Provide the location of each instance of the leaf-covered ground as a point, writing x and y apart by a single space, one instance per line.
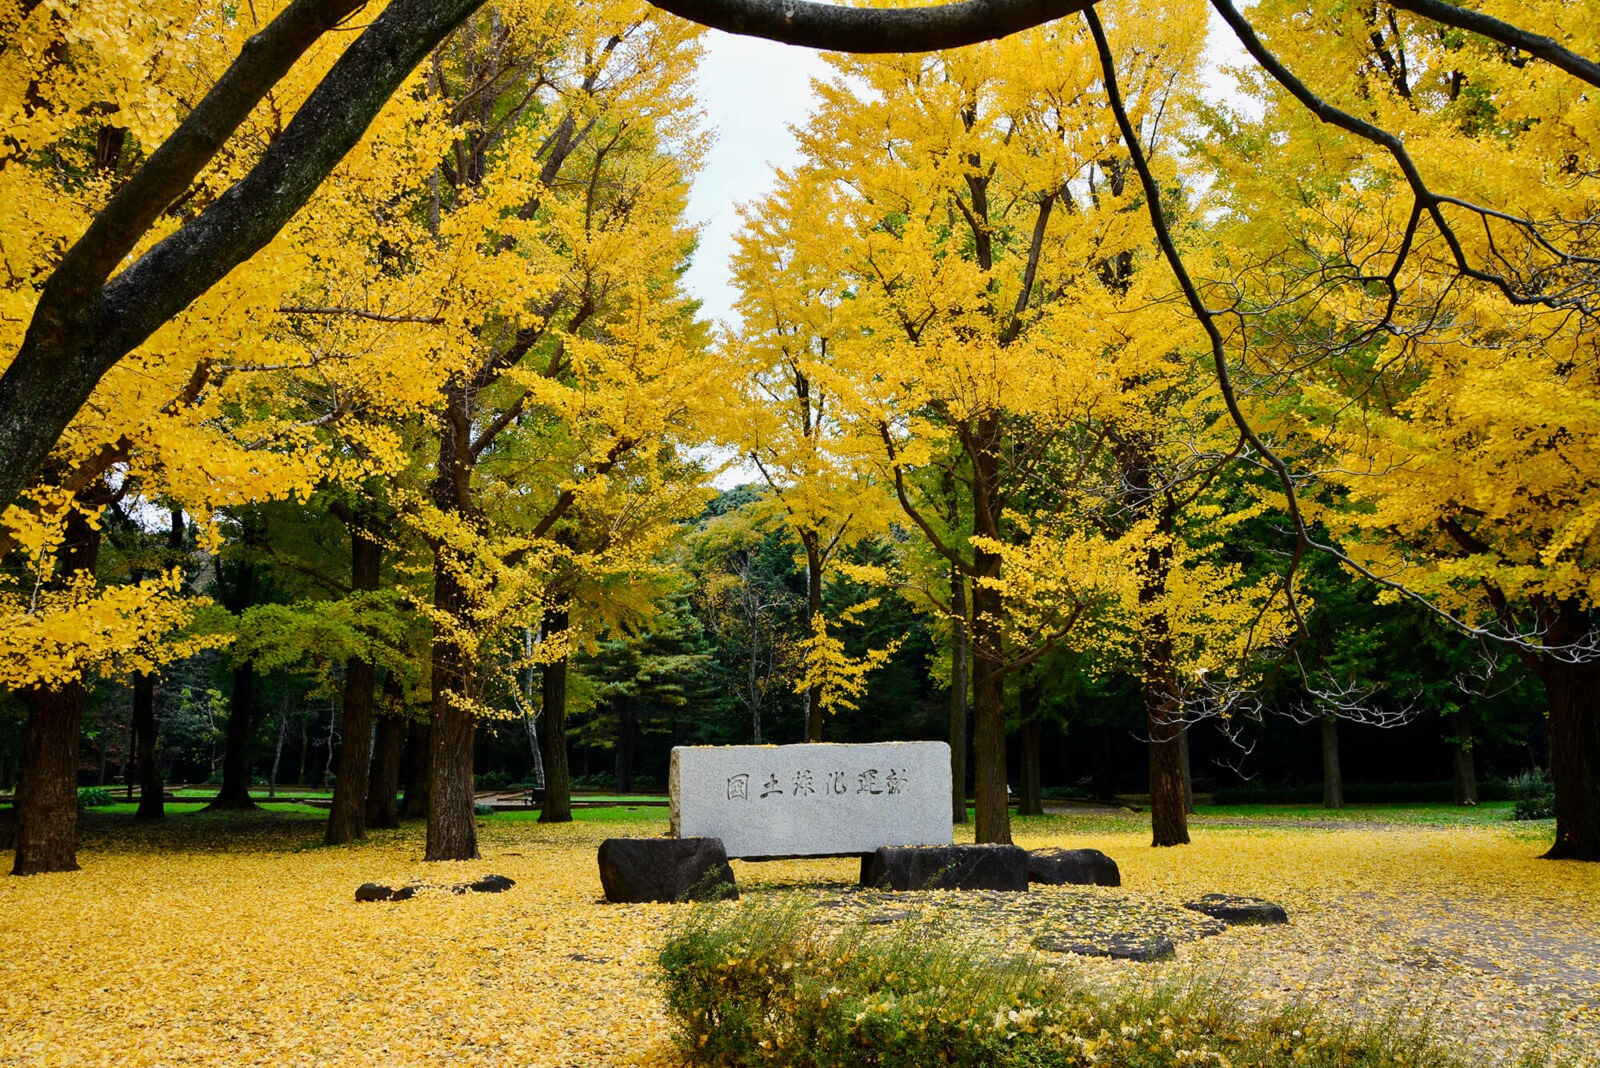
237 940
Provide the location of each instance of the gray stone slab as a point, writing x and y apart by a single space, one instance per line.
812 800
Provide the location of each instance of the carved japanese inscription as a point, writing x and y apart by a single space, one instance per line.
814 799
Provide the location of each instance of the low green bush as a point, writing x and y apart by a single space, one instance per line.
600 780
492 780
481 809
94 797
766 985
1356 793
1533 795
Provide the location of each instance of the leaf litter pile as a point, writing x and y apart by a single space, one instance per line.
231 941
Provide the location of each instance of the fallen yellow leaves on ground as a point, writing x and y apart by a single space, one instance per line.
237 943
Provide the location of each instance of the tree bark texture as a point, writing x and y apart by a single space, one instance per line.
45 808
383 783
1188 773
1148 498
452 826
960 684
1332 778
811 539
414 805
1463 773
347 816
1573 690
992 816
234 793
1031 803
45 832
557 805
152 791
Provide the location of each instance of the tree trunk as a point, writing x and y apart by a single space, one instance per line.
414 806
1148 498
1332 781
383 785
1463 774
993 817
152 791
810 538
557 806
960 683
627 728
1169 824
277 750
44 829
1188 773
234 794
1573 690
1031 803
347 817
452 826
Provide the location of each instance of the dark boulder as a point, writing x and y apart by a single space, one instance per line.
1238 910
952 867
374 892
665 869
1072 867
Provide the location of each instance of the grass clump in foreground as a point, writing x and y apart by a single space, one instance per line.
770 984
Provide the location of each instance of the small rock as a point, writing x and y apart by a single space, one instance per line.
374 892
405 893
1117 947
1231 908
492 884
1072 867
952 867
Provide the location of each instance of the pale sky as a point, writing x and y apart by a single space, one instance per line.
752 91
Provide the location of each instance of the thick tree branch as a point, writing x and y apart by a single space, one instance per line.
1545 48
869 30
79 330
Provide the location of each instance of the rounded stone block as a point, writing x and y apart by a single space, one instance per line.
952 867
1072 867
665 869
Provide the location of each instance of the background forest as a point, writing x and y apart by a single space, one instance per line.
1132 441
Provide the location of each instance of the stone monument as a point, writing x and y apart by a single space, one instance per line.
814 799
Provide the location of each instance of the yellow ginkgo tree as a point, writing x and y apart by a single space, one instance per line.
1421 315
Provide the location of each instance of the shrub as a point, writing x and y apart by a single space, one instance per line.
1533 795
492 780
481 809
765 985
600 780
1356 793
94 797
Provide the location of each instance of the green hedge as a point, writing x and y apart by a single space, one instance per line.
765 985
